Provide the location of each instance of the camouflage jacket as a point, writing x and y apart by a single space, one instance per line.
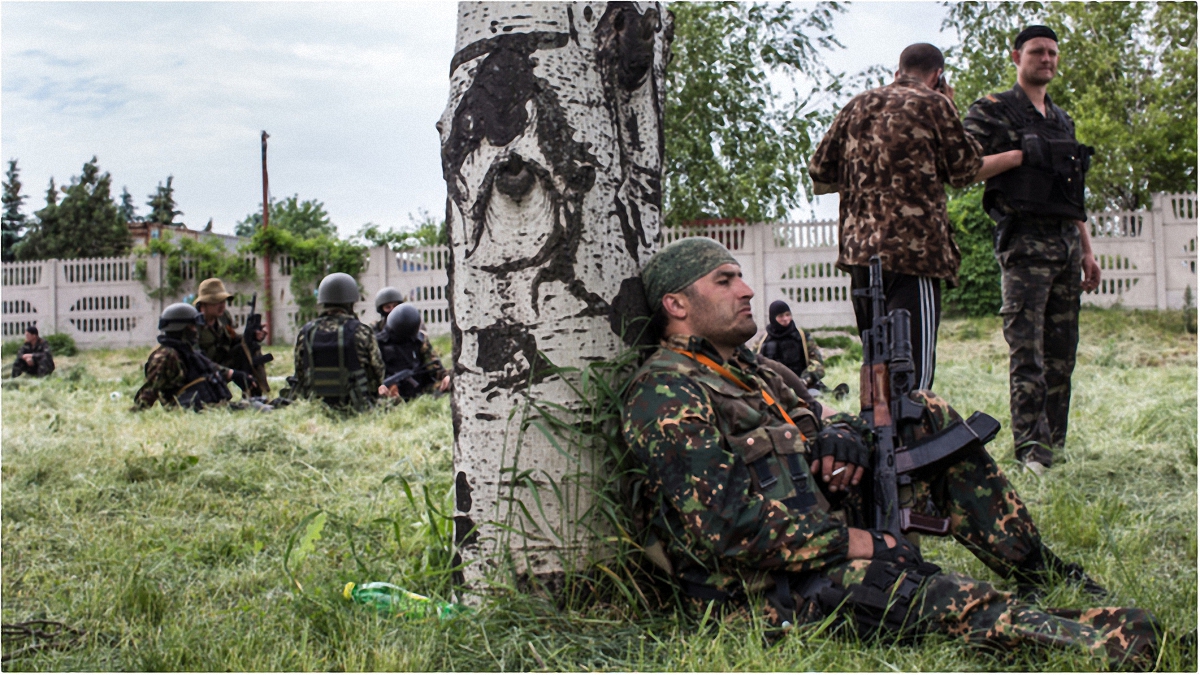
167 373
708 445
43 360
998 128
889 154
364 343
219 342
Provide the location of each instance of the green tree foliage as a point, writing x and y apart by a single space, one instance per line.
735 146
162 204
209 254
127 208
305 219
978 291
13 221
311 257
86 223
423 231
1127 75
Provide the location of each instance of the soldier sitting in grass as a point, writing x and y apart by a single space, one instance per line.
220 341
33 358
178 374
739 504
337 359
409 358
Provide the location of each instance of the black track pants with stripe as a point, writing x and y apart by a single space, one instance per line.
922 297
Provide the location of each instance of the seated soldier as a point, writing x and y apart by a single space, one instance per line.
794 348
733 505
411 367
33 358
337 359
178 374
220 342
385 301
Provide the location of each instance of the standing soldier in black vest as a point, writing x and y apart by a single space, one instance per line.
337 359
1042 243
178 374
34 357
385 301
409 358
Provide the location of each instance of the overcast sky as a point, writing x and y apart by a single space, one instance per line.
348 91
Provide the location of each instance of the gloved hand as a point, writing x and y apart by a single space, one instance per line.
903 553
843 443
242 379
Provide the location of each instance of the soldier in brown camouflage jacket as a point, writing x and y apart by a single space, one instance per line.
889 155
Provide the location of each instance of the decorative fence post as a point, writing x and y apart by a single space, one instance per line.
552 154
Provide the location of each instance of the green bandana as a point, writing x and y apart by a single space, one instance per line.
679 264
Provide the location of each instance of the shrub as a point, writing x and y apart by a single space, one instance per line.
11 347
978 292
62 344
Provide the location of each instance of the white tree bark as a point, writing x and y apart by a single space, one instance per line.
552 154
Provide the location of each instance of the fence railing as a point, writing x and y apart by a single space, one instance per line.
1148 260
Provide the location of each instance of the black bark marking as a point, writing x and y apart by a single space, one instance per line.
462 492
626 43
486 417
465 533
497 345
571 25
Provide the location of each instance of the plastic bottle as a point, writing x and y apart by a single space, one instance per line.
397 601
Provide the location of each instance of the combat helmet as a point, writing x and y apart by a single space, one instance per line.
338 288
177 317
385 295
403 322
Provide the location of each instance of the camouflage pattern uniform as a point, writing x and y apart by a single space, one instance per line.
889 154
1041 265
43 360
364 343
164 374
725 525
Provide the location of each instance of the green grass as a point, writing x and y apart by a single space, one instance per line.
175 539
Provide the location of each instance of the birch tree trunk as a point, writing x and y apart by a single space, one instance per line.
552 154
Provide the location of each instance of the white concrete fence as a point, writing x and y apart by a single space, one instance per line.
1148 258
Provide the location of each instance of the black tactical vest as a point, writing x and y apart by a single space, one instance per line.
335 374
1050 181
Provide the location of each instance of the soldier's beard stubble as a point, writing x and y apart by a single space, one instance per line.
722 324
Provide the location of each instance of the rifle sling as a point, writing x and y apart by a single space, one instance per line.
980 428
725 373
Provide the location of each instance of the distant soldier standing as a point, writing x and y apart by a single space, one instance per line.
889 155
34 357
1042 243
218 339
385 301
178 374
406 349
337 359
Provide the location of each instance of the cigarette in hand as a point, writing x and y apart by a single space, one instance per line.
837 471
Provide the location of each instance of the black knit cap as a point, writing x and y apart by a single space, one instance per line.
1031 32
778 307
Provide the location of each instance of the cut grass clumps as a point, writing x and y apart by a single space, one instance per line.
171 538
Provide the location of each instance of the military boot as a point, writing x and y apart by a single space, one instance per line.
1036 457
1042 567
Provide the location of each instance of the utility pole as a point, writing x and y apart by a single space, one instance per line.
267 252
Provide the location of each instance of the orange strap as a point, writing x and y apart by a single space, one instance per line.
725 373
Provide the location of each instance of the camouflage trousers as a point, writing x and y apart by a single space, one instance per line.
1041 285
989 518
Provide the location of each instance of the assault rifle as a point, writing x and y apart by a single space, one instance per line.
251 355
885 381
400 378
